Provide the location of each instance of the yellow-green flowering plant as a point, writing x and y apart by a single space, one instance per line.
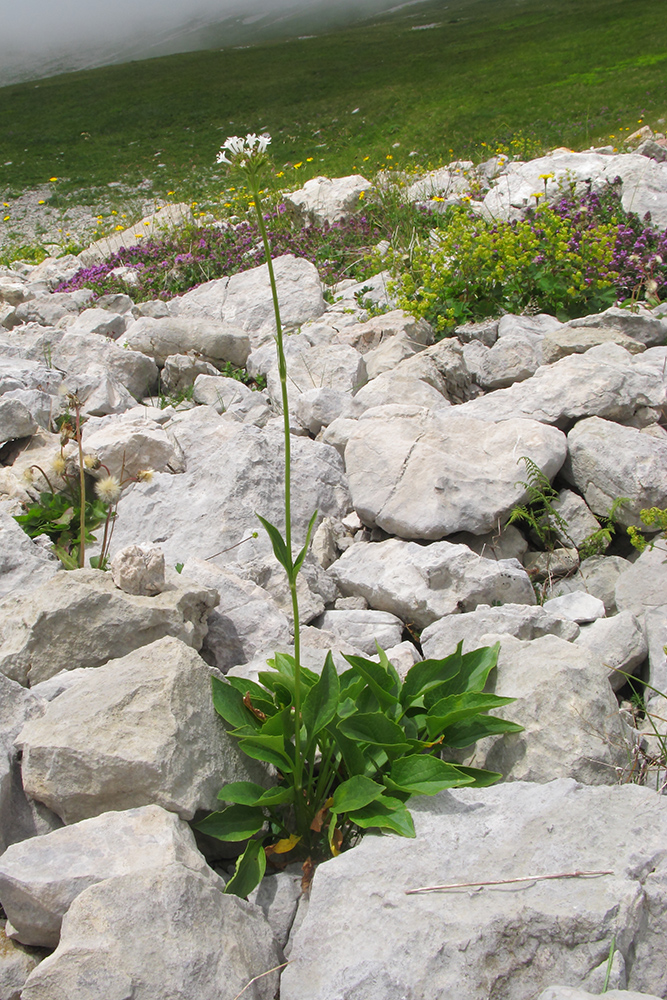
350 749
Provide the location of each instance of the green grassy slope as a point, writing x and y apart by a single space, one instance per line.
569 72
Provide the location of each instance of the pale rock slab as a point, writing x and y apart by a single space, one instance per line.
421 474
214 342
364 628
19 818
16 420
164 932
232 472
567 993
181 370
607 460
47 310
619 642
655 627
139 731
80 619
576 606
245 300
16 964
537 326
504 543
317 408
24 565
127 445
85 354
278 897
643 586
245 622
328 199
641 324
327 367
100 321
596 575
219 392
511 941
139 570
422 583
579 339
21 373
38 404
581 523
39 878
513 358
397 324
606 381
520 620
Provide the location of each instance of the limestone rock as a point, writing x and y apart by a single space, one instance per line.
597 575
520 620
577 607
232 472
139 570
23 564
328 199
214 342
140 730
619 642
81 619
422 583
364 628
421 474
163 932
607 460
167 217
81 354
16 964
515 939
181 370
16 420
130 444
643 586
100 321
40 877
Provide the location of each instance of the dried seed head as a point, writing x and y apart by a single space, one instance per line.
91 462
108 489
144 475
59 465
28 476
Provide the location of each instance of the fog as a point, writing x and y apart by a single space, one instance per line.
39 38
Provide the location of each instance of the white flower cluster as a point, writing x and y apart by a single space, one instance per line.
243 150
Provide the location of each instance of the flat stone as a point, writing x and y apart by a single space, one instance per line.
160 338
363 628
620 644
139 731
643 586
520 620
577 607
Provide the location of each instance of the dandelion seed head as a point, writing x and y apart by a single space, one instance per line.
108 489
59 465
144 475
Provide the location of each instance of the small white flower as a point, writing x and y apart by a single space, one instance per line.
263 142
242 152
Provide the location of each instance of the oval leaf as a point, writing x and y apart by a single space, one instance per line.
423 774
387 814
249 872
321 702
355 793
234 823
374 728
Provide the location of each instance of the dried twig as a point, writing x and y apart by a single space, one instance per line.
504 881
254 980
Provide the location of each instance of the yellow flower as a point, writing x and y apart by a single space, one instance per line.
366 158
6 219
118 227
52 179
41 202
170 192
114 212
299 164
361 196
309 159
139 236
228 204
280 173
147 223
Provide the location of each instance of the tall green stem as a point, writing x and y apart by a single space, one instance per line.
82 491
282 372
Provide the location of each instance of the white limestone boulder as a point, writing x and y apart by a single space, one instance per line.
422 583
423 474
40 877
162 932
128 444
215 342
328 199
643 585
607 460
363 628
16 420
234 472
85 354
140 730
23 563
364 937
520 620
81 619
619 642
166 218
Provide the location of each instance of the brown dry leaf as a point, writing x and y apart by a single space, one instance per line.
318 818
255 711
308 871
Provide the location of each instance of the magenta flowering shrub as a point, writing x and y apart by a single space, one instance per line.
176 263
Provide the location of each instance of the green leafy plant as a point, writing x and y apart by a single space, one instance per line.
598 541
349 751
652 517
539 512
77 502
367 743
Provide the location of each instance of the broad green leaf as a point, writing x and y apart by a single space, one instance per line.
427 674
346 708
383 685
424 774
298 562
389 667
351 684
462 734
249 871
355 793
279 724
481 778
248 687
354 759
228 702
387 813
248 793
278 543
477 665
321 702
374 728
270 749
457 707
237 822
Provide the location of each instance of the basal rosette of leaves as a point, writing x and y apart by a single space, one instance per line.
574 258
368 743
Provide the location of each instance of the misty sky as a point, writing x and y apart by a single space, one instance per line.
36 25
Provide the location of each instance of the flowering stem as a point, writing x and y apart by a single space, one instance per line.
82 491
282 372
